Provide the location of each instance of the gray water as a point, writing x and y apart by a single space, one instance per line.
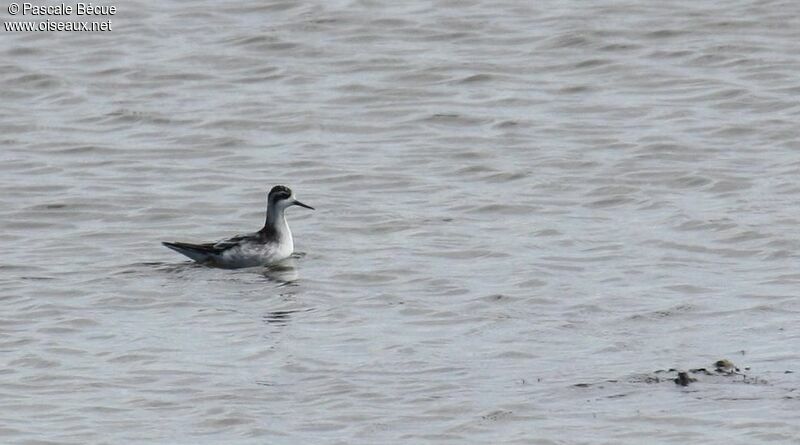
525 210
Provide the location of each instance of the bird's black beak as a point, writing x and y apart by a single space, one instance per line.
298 203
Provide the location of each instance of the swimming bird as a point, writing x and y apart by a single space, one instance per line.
269 245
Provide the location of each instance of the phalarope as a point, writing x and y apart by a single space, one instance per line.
269 245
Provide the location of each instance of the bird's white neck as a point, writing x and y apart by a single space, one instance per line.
277 227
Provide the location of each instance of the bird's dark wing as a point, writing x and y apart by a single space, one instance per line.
209 252
226 244
209 249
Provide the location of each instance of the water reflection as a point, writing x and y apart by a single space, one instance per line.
282 317
283 273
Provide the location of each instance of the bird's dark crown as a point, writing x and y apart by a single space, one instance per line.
279 192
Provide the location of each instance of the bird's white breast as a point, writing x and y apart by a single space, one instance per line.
252 254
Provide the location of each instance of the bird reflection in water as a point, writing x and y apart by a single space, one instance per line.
284 273
282 317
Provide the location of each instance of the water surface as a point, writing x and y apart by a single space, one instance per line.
524 210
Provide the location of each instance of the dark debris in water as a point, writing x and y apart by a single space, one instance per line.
497 415
723 370
683 379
